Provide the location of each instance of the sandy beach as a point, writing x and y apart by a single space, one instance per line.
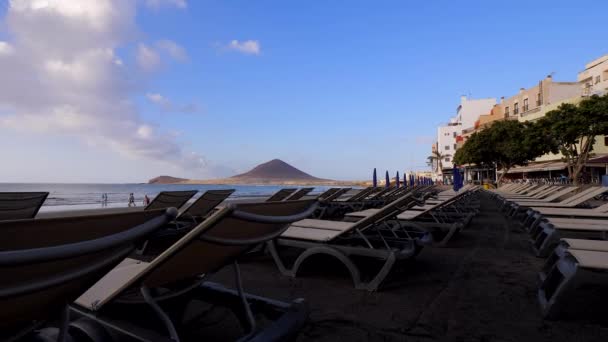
480 288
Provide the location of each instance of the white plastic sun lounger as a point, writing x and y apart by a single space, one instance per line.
569 279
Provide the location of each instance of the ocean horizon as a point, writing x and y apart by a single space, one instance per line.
89 195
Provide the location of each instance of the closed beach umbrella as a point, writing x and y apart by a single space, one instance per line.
457 181
405 179
374 179
397 180
388 181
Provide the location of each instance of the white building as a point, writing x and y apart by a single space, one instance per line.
594 79
467 113
446 142
470 109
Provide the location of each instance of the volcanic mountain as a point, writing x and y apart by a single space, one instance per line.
275 170
166 180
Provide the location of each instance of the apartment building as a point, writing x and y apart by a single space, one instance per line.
528 104
594 79
467 113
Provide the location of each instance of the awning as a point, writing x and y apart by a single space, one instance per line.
539 167
598 161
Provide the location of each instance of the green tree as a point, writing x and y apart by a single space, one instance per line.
572 129
503 145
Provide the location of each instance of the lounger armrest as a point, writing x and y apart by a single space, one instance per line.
80 248
274 219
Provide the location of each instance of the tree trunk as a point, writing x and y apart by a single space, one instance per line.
505 169
582 159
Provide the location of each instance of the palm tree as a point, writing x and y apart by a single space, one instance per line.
436 160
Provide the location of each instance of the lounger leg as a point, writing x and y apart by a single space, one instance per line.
65 321
246 307
272 248
145 292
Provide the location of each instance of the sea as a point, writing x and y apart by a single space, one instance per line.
89 196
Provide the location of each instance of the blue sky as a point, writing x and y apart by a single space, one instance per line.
336 89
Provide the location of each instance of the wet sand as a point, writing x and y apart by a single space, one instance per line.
480 288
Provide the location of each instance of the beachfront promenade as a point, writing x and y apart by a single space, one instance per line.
482 287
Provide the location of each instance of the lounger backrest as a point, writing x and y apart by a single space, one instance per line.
327 193
601 209
299 194
218 241
381 193
560 193
171 199
585 195
362 194
548 191
20 205
205 204
281 195
395 207
335 195
47 263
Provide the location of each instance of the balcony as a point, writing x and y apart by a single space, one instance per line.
531 111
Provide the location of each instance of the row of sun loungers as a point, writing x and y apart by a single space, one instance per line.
570 235
118 275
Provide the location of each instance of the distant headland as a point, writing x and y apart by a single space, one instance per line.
276 172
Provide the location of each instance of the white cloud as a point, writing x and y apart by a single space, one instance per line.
173 49
157 4
6 49
147 58
76 85
248 47
167 105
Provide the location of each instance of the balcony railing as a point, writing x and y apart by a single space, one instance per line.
531 111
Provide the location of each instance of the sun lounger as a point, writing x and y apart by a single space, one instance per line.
573 276
170 199
334 196
569 202
547 234
534 215
520 209
327 193
203 205
47 263
367 238
299 194
20 205
566 244
149 300
442 225
281 195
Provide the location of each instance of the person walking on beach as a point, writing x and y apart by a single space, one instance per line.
131 200
104 199
146 200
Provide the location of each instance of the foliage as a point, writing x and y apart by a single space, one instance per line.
504 144
572 129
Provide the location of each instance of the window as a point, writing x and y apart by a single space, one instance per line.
539 100
597 79
455 146
515 108
454 134
525 105
447 147
447 159
507 111
606 140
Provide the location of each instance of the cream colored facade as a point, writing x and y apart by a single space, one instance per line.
528 104
594 79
